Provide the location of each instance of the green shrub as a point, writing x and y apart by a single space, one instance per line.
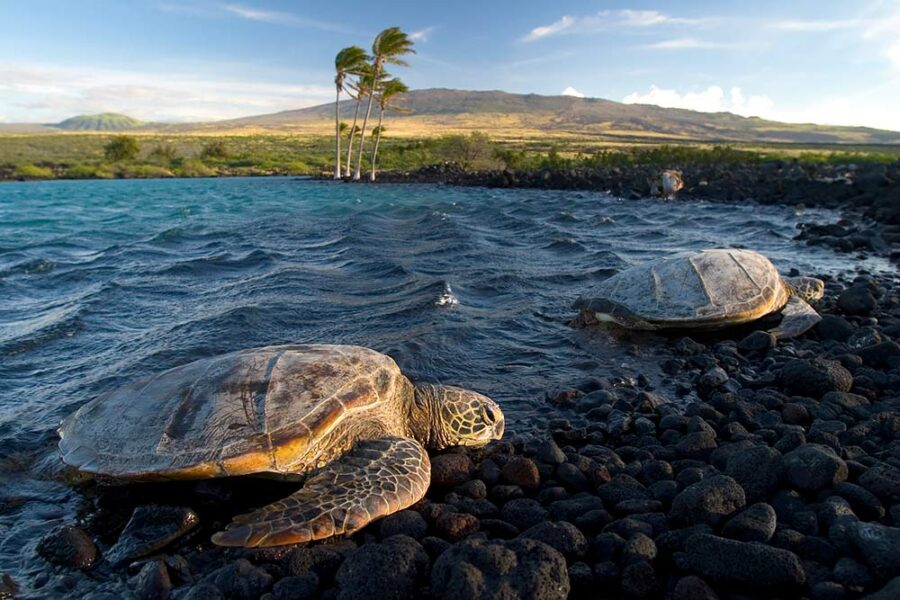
297 167
145 172
30 171
122 147
163 153
475 151
81 171
214 149
192 167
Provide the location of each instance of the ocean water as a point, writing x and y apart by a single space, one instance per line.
102 282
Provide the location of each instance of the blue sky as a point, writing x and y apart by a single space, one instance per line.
826 61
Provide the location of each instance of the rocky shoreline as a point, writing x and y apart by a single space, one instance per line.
867 194
771 470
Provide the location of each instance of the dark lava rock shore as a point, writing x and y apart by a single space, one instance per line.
771 471
868 194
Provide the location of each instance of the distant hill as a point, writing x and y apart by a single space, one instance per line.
501 114
101 122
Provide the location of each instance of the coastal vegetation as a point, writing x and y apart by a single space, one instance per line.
84 156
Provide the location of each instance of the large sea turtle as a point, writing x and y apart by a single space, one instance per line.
344 413
703 290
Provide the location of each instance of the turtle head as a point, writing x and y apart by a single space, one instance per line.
458 417
807 288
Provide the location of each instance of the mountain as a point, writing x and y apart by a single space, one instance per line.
101 122
508 116
505 115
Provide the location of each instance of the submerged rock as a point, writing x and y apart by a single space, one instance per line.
68 546
151 528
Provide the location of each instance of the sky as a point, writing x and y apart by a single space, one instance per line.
824 61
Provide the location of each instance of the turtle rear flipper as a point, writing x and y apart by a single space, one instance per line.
374 479
798 317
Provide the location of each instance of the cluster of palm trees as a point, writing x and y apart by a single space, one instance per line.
364 78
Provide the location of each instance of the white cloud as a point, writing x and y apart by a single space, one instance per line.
421 35
814 25
570 91
547 30
49 93
607 20
280 18
893 54
712 99
683 43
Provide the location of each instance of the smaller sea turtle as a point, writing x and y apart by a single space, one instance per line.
703 290
343 414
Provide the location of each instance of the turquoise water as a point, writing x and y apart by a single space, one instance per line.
106 281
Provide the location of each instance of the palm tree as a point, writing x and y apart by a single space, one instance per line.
347 62
390 89
388 47
362 88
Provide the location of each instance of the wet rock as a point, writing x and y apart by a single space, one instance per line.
812 467
497 569
639 547
743 563
151 528
880 355
891 591
405 522
697 445
363 573
572 508
152 582
639 580
852 574
319 560
474 488
68 546
622 487
448 470
563 536
456 526
857 300
709 501
712 378
757 470
815 377
296 587
523 512
834 327
489 472
548 452
581 579
203 591
758 341
878 545
755 524
692 587
522 472
570 476
883 480
827 590
863 502
241 580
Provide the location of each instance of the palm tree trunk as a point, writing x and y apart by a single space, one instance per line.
352 134
375 144
362 132
337 135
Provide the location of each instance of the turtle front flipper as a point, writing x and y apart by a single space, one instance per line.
374 479
798 317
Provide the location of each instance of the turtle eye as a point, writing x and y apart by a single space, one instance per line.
489 417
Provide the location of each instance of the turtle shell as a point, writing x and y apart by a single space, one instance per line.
711 288
252 411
